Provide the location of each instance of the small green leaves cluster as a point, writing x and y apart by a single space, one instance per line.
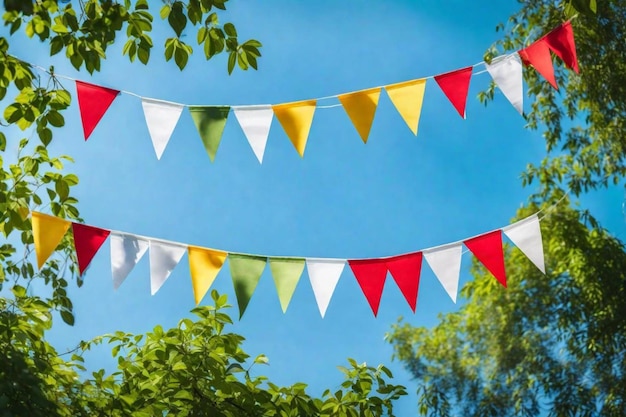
85 33
198 368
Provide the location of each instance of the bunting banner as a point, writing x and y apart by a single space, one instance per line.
506 72
210 122
255 121
361 108
296 118
324 273
161 118
126 251
407 97
93 102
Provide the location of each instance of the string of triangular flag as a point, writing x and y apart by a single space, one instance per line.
296 118
127 249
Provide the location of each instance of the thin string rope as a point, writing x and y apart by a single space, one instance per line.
334 96
174 243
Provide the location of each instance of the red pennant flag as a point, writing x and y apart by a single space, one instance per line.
561 41
455 86
93 102
87 241
538 55
488 249
371 275
405 270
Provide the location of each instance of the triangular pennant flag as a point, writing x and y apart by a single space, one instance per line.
405 270
445 261
93 102
361 108
408 97
561 42
488 249
324 275
126 251
164 257
296 119
526 235
87 241
506 71
210 122
371 275
538 55
47 233
286 273
255 121
161 118
204 265
455 85
245 270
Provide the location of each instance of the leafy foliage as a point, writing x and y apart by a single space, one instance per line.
86 33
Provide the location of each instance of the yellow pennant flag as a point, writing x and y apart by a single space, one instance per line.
204 265
408 98
296 119
361 107
47 233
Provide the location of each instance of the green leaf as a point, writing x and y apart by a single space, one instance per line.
232 57
67 317
230 30
262 359
55 118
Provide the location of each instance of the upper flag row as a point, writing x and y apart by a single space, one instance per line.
296 117
246 269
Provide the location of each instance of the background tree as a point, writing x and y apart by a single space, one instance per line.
551 344
193 369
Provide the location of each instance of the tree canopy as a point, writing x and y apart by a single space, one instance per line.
551 344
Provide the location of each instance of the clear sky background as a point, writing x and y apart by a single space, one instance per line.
396 194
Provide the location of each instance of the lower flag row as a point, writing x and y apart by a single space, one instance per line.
246 270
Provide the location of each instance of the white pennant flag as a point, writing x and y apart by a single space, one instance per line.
255 121
445 261
161 117
324 275
526 235
164 257
126 251
506 71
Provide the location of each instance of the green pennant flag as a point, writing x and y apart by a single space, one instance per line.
286 273
210 122
245 271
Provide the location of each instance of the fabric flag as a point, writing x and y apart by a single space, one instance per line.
126 252
210 122
526 235
286 273
255 121
296 119
204 265
538 55
361 108
161 118
445 261
245 270
506 71
93 102
47 233
371 275
405 270
455 85
488 249
407 97
87 241
324 275
561 42
164 257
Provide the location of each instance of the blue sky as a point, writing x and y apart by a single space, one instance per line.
344 199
